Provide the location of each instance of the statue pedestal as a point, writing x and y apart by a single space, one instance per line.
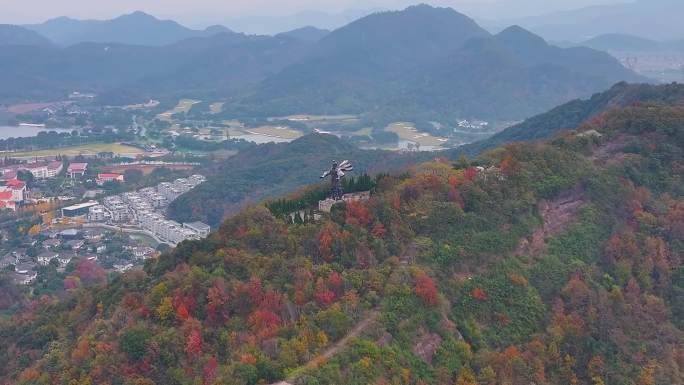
325 206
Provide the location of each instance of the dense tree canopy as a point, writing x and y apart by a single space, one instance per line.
553 263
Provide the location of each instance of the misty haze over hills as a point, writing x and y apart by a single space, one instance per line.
423 62
652 19
136 28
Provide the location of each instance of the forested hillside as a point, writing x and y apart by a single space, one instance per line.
553 263
271 170
572 114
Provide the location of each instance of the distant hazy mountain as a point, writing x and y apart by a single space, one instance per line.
615 42
651 19
272 25
351 67
15 35
420 64
219 65
621 42
307 34
431 63
137 28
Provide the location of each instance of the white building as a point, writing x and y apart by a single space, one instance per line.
98 214
201 229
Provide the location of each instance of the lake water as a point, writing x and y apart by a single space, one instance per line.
25 131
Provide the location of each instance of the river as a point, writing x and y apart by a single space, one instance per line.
26 131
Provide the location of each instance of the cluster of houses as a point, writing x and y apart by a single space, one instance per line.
144 209
62 247
472 124
14 191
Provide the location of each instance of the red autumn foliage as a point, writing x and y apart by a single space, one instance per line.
324 297
193 344
145 365
90 273
300 297
264 324
326 236
426 290
335 281
357 214
431 181
509 165
455 196
479 294
271 300
71 283
217 299
470 173
378 230
182 312
255 291
241 231
209 370
454 181
395 201
248 359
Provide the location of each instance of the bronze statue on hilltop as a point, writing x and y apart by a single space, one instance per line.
336 173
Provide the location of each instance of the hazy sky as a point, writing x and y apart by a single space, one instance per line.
197 13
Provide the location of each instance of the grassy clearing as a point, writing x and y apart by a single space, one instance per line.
407 131
367 131
276 131
184 105
85 149
317 118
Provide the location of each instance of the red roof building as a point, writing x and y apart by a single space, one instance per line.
108 177
77 169
6 201
15 183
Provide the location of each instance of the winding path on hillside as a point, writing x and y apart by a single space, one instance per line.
406 258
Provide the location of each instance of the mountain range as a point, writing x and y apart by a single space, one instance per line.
444 67
615 42
137 28
215 66
651 19
426 63
15 35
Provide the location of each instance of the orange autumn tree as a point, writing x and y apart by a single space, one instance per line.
426 290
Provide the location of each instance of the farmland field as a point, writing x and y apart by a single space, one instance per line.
366 131
85 149
184 105
406 131
275 131
318 118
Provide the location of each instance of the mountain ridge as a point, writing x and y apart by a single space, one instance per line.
16 35
136 28
418 70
